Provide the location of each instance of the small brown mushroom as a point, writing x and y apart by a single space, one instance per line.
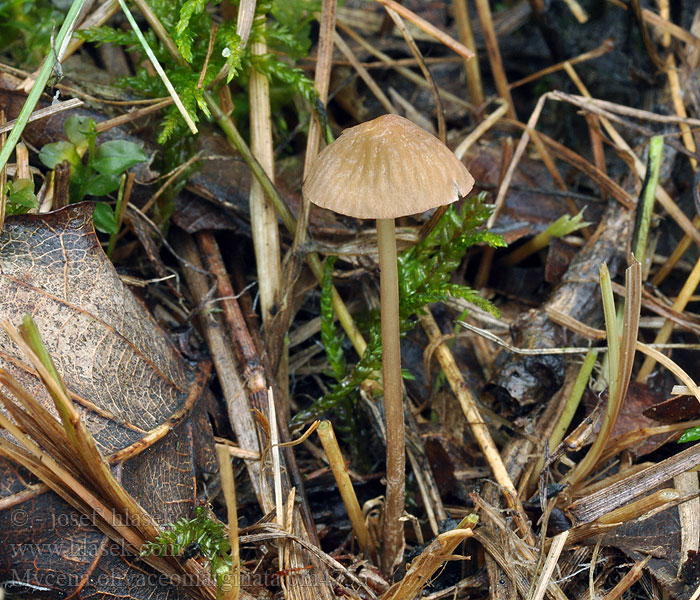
383 169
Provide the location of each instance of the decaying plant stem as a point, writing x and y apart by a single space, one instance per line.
231 382
342 479
263 218
475 420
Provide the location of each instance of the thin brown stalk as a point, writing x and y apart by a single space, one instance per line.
691 283
630 578
497 70
364 75
471 66
393 535
228 487
607 46
342 480
410 42
475 420
429 28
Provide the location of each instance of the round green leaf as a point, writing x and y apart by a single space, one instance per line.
54 154
101 185
115 157
104 218
77 129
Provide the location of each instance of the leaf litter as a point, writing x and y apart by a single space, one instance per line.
492 510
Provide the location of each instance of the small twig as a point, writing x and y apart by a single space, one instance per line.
410 42
471 66
607 46
342 479
44 112
429 28
491 41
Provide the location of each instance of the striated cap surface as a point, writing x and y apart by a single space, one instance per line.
386 168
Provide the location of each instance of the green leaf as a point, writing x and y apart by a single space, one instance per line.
115 157
690 435
22 197
101 185
104 218
54 154
77 129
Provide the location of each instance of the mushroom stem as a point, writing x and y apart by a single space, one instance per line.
392 550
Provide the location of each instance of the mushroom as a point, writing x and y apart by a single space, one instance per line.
383 169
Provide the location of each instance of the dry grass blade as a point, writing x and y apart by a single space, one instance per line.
429 28
44 112
476 422
550 564
603 501
689 514
420 571
66 458
342 479
228 487
80 439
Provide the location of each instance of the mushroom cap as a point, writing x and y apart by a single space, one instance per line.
386 168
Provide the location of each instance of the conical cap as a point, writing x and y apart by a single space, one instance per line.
386 168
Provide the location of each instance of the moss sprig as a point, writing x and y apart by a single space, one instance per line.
208 535
284 26
425 271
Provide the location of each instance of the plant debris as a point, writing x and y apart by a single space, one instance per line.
191 391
